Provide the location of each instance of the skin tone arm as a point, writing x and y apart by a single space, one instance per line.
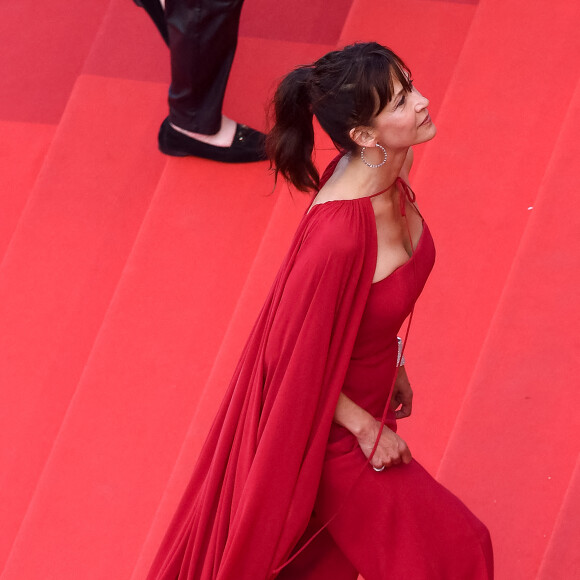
391 449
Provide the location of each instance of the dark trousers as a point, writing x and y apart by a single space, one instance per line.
202 36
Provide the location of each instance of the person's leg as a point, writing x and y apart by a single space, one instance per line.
203 36
402 524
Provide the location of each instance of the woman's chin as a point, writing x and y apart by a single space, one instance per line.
428 134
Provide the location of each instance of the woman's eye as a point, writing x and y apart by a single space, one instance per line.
401 102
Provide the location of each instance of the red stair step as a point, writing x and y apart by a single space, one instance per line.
276 238
428 36
562 559
297 21
258 67
140 386
44 47
515 443
497 130
63 265
22 151
128 46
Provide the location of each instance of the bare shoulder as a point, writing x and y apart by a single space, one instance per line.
332 190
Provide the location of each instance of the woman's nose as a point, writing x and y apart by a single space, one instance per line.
422 102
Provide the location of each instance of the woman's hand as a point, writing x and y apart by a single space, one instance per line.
391 449
402 399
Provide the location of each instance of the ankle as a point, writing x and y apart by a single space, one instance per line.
223 138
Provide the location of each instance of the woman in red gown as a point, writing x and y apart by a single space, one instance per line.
303 475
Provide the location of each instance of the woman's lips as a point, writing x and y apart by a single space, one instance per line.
427 119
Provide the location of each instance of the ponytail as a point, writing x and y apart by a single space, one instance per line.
342 89
290 142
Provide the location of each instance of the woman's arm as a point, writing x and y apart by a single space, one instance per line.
391 449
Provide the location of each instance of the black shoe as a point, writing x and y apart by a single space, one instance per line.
247 146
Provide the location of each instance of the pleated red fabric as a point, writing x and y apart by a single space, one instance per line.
253 489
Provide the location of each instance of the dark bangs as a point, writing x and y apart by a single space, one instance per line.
377 71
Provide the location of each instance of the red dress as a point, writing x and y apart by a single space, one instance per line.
399 523
275 466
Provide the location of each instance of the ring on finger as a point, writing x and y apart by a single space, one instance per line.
379 468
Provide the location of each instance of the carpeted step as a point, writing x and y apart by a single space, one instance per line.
140 386
44 47
515 443
562 558
22 151
156 344
497 129
251 88
128 46
285 217
296 21
427 34
63 265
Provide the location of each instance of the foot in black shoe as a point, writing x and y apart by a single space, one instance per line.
247 146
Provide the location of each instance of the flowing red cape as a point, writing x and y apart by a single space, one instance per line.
253 488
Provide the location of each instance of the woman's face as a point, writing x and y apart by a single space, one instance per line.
405 120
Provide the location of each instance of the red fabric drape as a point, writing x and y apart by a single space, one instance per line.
254 486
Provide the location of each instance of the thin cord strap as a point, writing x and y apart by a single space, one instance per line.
407 194
378 193
312 204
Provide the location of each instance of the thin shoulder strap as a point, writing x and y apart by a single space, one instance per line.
406 194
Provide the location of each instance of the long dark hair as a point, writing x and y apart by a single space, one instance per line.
341 90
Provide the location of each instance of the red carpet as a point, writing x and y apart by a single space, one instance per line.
128 281
62 266
44 47
525 457
482 173
22 152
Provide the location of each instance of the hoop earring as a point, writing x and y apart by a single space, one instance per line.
374 165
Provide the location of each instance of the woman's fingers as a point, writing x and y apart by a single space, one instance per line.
395 402
406 401
404 411
392 452
405 452
378 464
